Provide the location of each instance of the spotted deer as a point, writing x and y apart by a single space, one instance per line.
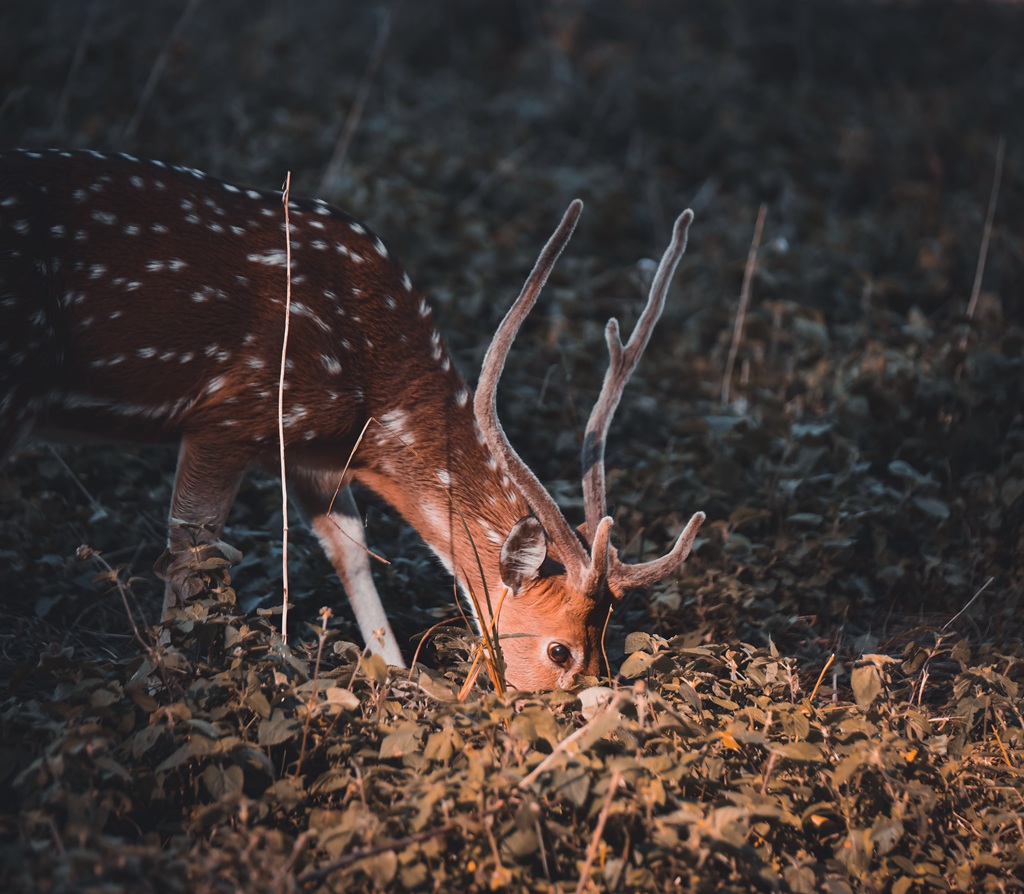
145 302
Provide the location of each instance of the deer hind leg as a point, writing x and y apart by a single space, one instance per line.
340 531
205 485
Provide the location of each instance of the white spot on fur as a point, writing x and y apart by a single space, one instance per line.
274 257
397 423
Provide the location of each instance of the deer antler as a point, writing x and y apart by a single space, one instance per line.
623 359
602 564
571 551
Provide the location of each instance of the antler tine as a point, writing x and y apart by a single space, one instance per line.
485 407
622 361
622 577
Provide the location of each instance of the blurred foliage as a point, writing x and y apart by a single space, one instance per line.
226 759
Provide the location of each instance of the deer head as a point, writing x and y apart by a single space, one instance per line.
569 579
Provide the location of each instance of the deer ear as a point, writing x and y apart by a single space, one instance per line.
522 553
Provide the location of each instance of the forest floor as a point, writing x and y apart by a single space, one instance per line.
828 697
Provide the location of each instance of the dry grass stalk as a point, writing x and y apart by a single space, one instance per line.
563 746
157 70
280 407
76 63
986 236
741 311
595 841
337 162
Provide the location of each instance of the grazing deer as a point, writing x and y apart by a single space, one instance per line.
145 302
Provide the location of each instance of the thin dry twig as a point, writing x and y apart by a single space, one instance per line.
314 695
284 872
569 740
604 634
98 508
986 235
76 64
425 638
741 311
488 652
315 875
970 602
280 407
595 840
337 490
87 552
11 98
157 70
493 659
337 162
152 651
821 676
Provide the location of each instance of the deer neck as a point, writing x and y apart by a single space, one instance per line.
429 462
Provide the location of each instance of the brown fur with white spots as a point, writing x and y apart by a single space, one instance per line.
144 302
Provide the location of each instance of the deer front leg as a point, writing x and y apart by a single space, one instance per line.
340 531
205 485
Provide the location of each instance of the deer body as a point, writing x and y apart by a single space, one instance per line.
144 302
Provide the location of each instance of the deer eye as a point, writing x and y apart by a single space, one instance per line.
559 653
